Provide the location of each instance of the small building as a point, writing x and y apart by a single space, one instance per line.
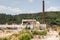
29 22
32 23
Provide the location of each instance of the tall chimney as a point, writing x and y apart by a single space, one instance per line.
43 9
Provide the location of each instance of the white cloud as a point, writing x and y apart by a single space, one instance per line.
30 0
53 9
14 11
2 7
9 10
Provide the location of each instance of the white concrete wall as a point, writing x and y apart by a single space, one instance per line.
43 26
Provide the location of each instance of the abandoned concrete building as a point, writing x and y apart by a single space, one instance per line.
32 23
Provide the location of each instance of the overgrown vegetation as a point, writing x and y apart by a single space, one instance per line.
22 35
25 35
51 18
5 38
36 32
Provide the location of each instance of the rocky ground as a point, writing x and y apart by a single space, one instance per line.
51 35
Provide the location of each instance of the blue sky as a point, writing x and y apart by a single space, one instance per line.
27 6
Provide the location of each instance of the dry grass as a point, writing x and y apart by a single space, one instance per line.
58 29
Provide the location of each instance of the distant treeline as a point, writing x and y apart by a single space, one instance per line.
50 18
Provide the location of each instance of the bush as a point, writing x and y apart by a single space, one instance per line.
43 33
36 32
25 36
5 38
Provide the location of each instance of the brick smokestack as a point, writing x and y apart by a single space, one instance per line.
43 10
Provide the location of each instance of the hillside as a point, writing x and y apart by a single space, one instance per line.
50 18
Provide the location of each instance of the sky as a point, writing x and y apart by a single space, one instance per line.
15 7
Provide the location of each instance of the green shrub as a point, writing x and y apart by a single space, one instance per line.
43 32
36 32
25 35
